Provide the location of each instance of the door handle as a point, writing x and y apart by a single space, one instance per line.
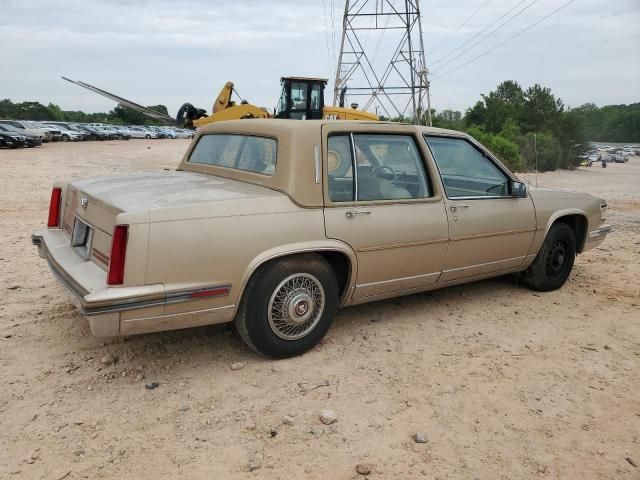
353 213
454 208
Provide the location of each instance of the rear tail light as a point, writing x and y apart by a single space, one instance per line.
54 208
115 276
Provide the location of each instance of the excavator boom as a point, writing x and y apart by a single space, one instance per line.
302 98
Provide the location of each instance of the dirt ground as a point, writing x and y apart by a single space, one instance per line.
504 383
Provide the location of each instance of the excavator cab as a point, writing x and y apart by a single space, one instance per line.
301 98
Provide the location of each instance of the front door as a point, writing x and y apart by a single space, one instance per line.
379 199
489 230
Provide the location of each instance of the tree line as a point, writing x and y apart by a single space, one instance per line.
533 126
524 128
36 111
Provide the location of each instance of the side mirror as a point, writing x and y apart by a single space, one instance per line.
518 189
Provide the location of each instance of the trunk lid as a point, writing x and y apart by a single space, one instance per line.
167 189
157 196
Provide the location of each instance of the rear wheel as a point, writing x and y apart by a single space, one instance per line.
288 306
553 264
147 136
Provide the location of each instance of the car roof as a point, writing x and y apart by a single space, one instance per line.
299 144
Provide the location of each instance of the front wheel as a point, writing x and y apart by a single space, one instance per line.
65 138
288 306
147 136
553 264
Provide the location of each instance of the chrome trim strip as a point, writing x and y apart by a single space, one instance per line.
494 234
522 258
481 197
183 295
354 166
168 299
402 245
316 159
414 277
599 232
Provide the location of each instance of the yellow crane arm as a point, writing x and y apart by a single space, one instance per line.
342 113
223 100
236 112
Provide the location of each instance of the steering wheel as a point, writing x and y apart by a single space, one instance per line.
381 168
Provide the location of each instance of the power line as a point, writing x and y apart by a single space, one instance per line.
479 33
460 26
326 37
507 40
375 52
509 20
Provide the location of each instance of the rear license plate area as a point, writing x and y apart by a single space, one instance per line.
81 238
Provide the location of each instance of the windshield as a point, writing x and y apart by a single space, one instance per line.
241 152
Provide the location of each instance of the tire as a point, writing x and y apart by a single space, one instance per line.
305 287
147 136
65 138
552 266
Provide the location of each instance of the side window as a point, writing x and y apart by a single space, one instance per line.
257 156
465 170
299 95
315 97
339 168
388 167
242 152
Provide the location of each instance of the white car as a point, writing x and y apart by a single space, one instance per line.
182 133
67 135
141 132
169 133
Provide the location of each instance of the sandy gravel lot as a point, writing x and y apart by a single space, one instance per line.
503 382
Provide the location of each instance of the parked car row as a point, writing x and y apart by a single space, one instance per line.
27 133
606 154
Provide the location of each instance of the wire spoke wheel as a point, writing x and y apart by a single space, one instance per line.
296 306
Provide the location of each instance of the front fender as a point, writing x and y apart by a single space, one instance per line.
544 226
564 213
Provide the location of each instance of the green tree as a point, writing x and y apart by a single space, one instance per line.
504 149
541 150
448 119
541 109
476 115
55 113
510 130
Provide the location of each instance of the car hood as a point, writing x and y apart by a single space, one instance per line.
557 193
170 195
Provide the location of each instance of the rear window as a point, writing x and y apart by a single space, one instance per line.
242 152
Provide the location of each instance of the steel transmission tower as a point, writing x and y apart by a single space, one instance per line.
391 80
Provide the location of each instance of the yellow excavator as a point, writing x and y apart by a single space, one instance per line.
301 98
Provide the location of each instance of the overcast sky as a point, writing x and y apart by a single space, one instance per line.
170 52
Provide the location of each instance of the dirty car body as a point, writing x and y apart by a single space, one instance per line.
274 224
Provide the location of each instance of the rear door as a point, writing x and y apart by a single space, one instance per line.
489 229
379 198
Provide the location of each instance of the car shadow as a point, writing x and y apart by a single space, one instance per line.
222 343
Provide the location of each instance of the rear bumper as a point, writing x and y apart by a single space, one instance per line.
120 310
